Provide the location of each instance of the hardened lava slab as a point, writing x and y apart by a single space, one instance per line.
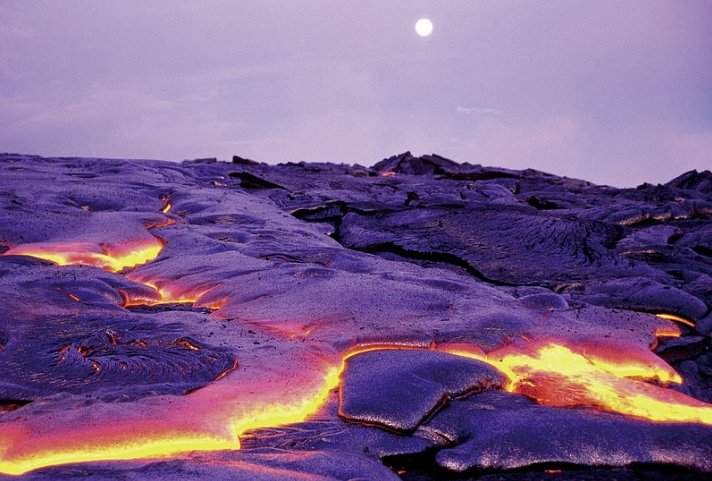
398 389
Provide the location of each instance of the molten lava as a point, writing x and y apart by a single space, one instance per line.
211 419
611 376
550 372
556 375
164 294
111 258
674 318
605 376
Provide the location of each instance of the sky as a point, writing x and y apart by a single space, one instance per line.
615 92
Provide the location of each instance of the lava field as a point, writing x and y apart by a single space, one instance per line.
420 319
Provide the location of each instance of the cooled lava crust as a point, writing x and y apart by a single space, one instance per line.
419 319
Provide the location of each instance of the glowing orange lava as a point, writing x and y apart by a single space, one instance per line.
606 375
110 258
168 293
146 441
555 375
673 317
164 295
211 419
550 372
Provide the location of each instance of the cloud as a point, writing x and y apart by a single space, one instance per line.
476 110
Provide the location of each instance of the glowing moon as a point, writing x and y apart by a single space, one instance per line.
424 27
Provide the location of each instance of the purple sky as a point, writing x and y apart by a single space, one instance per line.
616 92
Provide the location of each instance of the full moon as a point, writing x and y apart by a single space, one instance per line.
424 27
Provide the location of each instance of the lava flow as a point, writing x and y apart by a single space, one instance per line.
555 374
617 378
164 294
210 419
551 372
108 257
674 318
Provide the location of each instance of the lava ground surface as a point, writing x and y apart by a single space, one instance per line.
420 319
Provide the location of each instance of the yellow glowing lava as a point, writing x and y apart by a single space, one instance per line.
552 373
112 259
140 448
165 295
289 411
606 375
641 364
227 419
673 317
555 375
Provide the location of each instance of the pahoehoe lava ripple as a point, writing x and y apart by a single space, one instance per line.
77 355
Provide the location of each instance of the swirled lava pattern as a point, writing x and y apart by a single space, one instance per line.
196 311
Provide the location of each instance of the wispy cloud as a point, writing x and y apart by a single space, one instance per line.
476 110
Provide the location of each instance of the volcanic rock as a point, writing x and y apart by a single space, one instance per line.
253 465
509 431
398 389
311 321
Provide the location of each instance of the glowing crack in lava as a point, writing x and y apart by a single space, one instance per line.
108 257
